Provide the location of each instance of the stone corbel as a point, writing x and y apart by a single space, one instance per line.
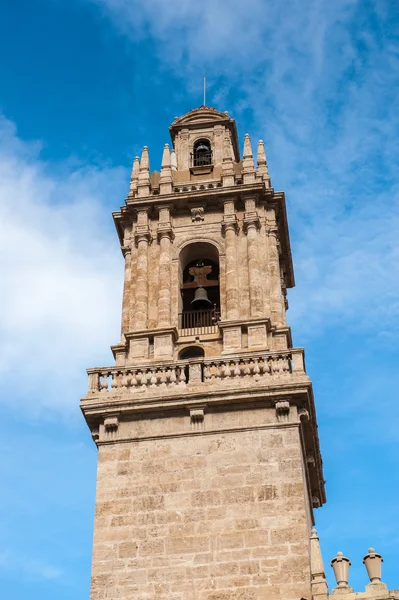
197 416
282 410
111 423
310 458
95 434
316 501
303 415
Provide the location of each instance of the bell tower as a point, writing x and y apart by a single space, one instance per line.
209 465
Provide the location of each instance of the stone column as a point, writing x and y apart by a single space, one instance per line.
127 253
252 225
230 230
277 307
165 236
142 239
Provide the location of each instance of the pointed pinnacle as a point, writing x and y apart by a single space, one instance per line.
135 174
166 162
173 160
247 147
261 153
145 160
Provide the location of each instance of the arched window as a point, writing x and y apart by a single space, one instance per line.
202 153
199 289
191 352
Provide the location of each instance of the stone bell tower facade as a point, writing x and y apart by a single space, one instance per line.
208 457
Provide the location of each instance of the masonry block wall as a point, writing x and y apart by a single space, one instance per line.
216 516
209 465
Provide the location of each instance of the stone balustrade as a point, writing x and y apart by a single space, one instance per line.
255 366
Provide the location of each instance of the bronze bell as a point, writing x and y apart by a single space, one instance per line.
201 299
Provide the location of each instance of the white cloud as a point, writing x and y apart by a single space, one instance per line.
60 273
28 568
318 81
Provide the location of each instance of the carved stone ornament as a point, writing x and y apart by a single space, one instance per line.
283 410
197 415
197 214
316 501
303 414
95 435
111 423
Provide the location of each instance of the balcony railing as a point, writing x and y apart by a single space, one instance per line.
247 369
195 322
201 159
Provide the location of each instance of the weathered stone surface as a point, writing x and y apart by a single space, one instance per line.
204 490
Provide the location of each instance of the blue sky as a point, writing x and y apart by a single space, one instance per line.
83 86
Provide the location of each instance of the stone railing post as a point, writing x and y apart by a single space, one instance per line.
165 237
230 230
251 227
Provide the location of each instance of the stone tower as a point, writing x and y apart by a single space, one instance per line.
208 457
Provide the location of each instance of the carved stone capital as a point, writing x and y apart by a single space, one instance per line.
230 222
165 230
142 233
251 219
126 250
272 231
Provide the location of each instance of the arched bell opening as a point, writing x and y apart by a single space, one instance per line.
199 288
202 153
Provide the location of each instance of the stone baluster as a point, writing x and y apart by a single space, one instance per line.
230 230
277 305
252 225
104 382
165 237
142 239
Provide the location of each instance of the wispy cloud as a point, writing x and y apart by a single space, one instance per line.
318 81
60 284
28 567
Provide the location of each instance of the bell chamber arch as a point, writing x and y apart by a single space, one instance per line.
202 153
199 284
